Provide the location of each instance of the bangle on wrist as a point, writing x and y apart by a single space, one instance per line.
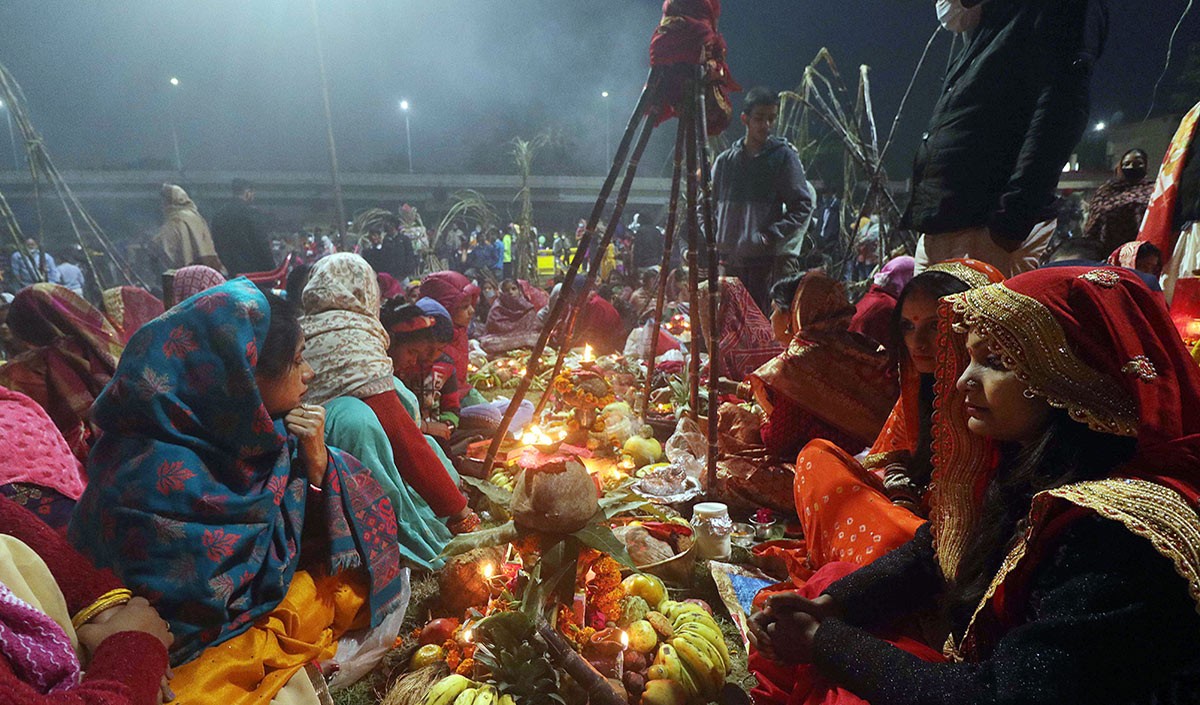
110 599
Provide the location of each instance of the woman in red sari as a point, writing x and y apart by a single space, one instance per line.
74 355
856 512
1063 549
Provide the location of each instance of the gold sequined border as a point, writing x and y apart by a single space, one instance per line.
971 277
1032 343
1152 511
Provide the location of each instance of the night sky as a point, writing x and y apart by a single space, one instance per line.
477 72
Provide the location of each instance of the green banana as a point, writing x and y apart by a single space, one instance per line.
447 689
668 658
507 700
466 697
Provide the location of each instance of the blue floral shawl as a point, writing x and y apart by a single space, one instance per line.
196 498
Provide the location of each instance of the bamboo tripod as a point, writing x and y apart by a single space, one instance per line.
690 140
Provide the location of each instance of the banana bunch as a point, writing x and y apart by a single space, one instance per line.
460 690
697 656
502 479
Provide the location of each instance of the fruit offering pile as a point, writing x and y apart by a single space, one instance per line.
686 655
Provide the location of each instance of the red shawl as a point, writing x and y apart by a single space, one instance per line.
688 37
744 335
76 356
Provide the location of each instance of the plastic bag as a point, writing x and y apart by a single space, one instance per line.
687 448
360 651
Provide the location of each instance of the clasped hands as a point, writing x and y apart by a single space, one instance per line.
787 625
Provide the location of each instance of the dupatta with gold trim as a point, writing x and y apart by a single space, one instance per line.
1099 344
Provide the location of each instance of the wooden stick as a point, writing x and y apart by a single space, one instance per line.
714 286
568 338
663 273
556 311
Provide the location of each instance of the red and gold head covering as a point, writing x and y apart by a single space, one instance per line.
900 433
1099 344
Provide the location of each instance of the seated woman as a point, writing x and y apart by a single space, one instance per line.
828 383
1058 552
745 338
71 634
128 307
37 468
873 312
884 498
347 347
458 295
1140 256
74 352
597 324
513 321
212 492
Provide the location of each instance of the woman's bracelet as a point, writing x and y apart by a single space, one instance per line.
110 599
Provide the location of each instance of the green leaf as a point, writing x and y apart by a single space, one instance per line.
496 495
598 536
485 538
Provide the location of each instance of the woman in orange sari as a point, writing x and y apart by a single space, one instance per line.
856 512
75 352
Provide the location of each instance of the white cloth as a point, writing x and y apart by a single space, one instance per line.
344 341
956 18
976 243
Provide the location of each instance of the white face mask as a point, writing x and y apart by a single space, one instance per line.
956 18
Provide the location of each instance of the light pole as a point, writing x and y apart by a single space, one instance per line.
174 128
12 140
607 129
407 133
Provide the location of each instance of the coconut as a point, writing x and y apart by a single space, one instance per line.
556 496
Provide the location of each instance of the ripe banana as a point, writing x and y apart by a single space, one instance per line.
710 653
701 667
507 700
486 695
447 689
713 637
467 697
668 659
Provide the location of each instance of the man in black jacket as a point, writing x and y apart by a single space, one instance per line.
1013 106
763 200
240 235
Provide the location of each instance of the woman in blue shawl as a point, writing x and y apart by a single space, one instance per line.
212 493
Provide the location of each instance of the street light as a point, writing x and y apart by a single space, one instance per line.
607 129
407 133
174 127
1100 127
12 140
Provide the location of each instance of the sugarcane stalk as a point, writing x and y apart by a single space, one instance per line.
599 690
714 288
668 245
568 336
556 311
693 227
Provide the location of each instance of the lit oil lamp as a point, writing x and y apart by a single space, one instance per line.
536 437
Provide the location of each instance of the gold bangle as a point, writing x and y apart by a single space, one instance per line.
112 598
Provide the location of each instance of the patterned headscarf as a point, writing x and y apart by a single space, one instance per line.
196 497
345 342
193 279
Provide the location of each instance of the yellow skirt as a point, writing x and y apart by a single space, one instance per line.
256 665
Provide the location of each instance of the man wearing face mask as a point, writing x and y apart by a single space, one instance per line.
1116 210
1012 108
